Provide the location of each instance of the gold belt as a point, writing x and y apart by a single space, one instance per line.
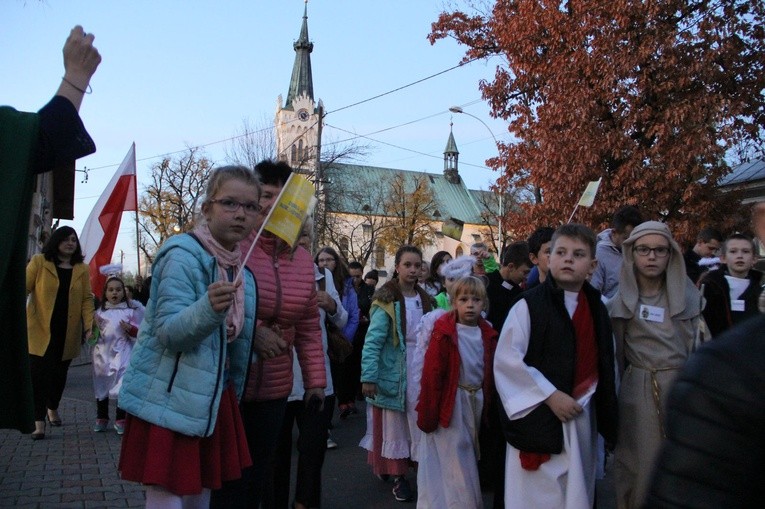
656 391
473 390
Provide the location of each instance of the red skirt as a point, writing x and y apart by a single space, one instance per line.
182 464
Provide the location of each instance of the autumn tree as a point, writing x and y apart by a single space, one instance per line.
356 218
168 204
492 210
408 212
649 96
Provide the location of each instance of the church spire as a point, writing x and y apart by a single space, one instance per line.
451 158
302 79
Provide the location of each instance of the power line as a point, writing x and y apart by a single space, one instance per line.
461 64
355 135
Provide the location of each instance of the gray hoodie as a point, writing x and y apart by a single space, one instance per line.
606 276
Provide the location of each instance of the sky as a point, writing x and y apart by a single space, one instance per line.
188 73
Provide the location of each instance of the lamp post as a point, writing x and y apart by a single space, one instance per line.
458 109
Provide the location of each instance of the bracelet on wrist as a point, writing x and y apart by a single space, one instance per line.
88 91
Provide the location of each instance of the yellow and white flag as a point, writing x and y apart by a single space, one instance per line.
588 197
296 202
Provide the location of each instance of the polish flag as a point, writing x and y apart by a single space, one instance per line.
100 231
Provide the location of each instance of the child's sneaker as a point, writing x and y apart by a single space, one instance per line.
119 426
401 490
100 425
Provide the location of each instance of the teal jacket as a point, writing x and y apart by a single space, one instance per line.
177 370
383 359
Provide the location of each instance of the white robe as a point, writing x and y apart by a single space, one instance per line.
111 354
567 480
447 474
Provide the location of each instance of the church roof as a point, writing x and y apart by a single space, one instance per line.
745 173
346 183
302 78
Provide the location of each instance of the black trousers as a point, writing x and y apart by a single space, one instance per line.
313 428
102 410
262 424
49 374
348 381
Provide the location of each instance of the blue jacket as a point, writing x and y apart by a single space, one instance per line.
351 304
383 359
177 369
383 362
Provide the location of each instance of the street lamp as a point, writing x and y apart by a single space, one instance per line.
458 109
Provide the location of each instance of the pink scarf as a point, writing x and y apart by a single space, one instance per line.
226 260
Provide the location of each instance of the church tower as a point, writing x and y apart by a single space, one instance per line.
298 119
451 159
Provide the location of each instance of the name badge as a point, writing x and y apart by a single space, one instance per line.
507 285
652 313
737 305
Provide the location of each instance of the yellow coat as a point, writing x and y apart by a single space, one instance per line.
42 286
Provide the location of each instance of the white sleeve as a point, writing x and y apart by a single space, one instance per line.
521 387
340 318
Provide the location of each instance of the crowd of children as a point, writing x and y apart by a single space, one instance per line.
475 372
569 366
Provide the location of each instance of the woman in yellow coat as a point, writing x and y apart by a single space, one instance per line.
59 308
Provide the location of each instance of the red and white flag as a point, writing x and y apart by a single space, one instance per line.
100 231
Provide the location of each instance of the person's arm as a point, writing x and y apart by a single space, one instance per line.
181 318
33 268
435 367
309 348
88 308
351 304
340 317
81 60
377 334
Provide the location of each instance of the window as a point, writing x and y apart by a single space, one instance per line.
379 257
344 247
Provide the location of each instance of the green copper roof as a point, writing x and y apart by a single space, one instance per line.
302 79
356 187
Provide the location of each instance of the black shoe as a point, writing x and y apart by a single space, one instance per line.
39 435
401 490
54 422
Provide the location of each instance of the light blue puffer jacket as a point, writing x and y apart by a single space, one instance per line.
177 368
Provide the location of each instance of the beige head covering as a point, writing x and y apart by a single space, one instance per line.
676 277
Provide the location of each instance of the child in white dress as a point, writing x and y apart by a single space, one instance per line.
457 377
389 345
118 319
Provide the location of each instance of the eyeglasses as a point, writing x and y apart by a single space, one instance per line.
660 252
232 206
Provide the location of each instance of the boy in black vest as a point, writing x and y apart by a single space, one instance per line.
554 369
732 291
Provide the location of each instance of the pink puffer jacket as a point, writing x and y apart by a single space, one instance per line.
286 297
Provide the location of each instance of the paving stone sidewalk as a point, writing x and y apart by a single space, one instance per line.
73 467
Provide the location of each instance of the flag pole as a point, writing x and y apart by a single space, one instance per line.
137 236
572 214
